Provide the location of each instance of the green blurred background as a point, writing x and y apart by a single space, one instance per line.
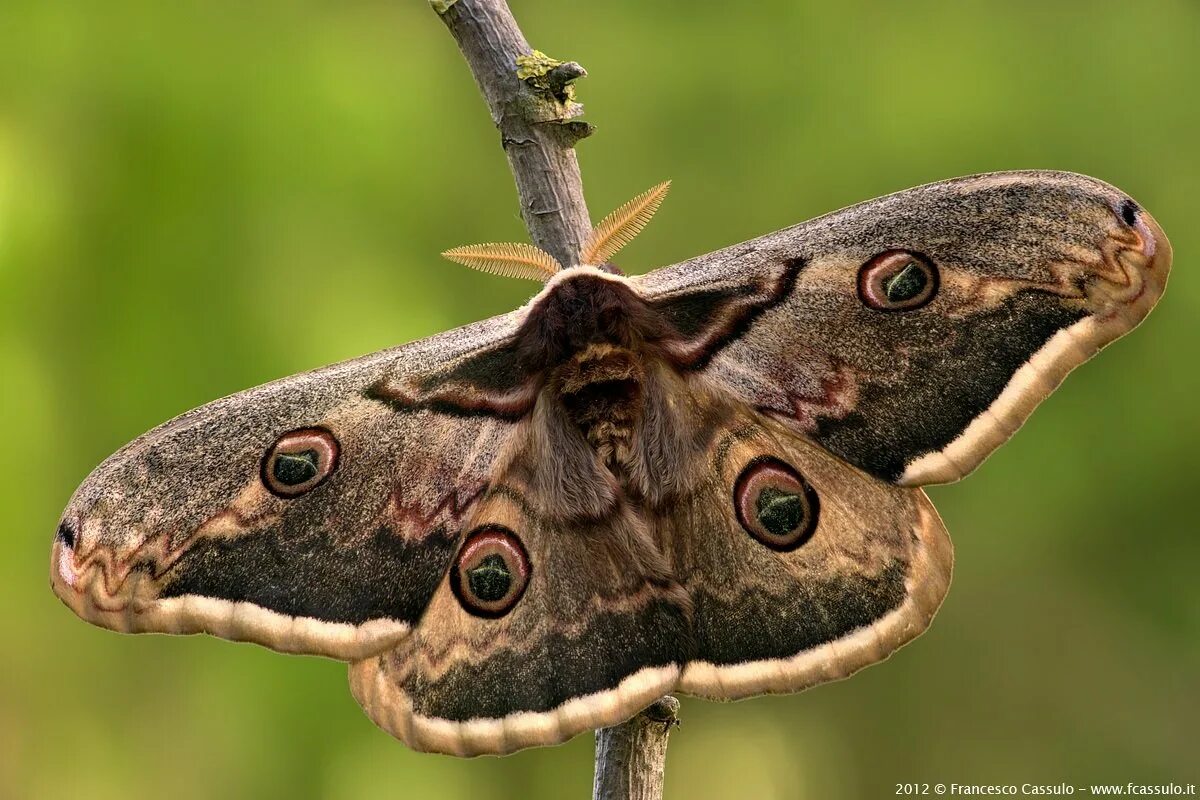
172 172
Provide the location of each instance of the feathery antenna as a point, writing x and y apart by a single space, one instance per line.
618 228
514 260
509 260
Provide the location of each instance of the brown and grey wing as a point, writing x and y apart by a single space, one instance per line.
315 514
913 334
542 629
801 568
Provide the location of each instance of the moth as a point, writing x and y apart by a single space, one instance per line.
703 479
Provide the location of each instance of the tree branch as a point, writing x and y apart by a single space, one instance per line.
534 113
631 757
531 99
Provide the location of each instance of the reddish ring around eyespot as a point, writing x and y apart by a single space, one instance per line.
299 461
775 504
897 280
491 571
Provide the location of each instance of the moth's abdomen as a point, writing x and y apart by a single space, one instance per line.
601 390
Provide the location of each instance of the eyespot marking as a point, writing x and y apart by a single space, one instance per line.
299 461
775 504
295 468
897 280
491 572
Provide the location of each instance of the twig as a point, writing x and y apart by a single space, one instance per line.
531 99
535 118
631 757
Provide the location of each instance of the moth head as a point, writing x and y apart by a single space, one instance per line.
515 260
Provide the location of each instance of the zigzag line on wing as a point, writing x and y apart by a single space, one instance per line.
1117 262
115 570
836 399
412 520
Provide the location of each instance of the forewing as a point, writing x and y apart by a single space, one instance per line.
1036 272
180 531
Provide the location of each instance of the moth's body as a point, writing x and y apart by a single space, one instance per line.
594 344
610 395
701 479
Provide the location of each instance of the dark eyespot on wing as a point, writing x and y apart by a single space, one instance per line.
490 572
907 284
780 512
897 280
300 461
294 468
775 504
491 580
